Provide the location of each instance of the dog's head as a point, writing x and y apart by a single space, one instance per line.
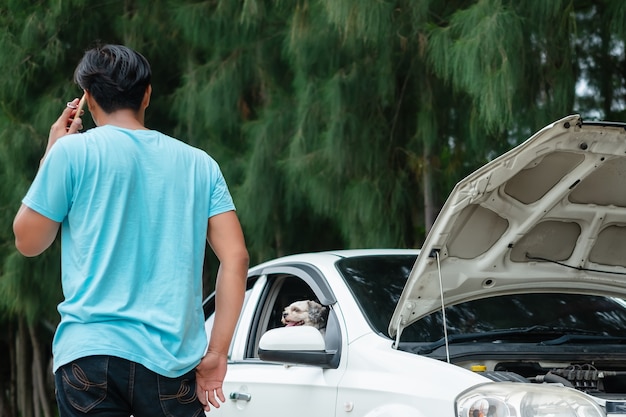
305 313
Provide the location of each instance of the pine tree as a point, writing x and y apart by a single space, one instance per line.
338 124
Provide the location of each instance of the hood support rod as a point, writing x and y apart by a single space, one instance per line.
443 307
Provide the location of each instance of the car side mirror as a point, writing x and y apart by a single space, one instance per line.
303 345
292 338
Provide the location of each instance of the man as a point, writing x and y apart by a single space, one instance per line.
136 209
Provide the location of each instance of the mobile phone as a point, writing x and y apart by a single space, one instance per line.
81 102
78 108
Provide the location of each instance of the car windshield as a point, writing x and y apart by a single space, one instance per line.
377 283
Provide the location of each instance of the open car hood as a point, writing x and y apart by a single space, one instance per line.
547 216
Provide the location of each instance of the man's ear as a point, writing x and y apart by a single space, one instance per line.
89 100
93 107
146 97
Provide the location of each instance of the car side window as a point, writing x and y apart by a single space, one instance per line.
281 291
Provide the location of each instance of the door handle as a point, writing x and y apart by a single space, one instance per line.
240 396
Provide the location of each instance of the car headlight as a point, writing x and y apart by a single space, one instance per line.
525 400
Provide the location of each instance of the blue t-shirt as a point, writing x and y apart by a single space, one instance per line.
134 207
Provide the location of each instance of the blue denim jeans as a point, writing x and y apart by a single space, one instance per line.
107 386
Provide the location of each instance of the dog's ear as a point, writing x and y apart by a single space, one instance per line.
317 313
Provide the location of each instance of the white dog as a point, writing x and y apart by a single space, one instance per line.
305 313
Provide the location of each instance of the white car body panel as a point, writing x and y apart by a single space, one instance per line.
378 374
277 390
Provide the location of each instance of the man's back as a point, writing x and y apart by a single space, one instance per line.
133 240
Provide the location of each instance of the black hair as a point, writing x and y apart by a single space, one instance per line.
115 76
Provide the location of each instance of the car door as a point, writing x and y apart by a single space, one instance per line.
256 388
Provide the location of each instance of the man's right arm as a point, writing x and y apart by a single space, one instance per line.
226 239
34 232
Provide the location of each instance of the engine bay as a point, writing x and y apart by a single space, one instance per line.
601 379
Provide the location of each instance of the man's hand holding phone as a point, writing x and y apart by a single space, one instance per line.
68 122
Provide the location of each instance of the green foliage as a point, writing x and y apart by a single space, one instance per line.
479 53
336 123
30 288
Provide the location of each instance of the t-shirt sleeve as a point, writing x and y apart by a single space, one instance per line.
51 190
220 200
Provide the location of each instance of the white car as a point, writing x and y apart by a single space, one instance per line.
528 256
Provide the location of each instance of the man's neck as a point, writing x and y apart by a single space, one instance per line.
126 119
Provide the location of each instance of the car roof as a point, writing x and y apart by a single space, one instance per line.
331 256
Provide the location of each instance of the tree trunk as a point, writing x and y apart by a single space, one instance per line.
429 206
23 366
13 390
7 371
41 402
